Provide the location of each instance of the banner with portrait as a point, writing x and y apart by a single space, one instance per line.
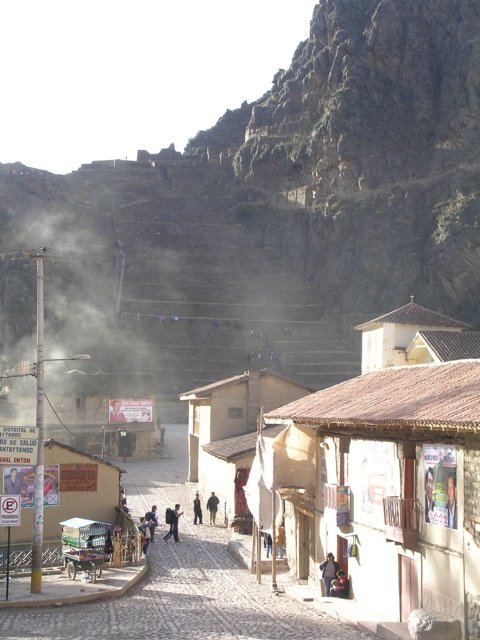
440 478
20 480
130 410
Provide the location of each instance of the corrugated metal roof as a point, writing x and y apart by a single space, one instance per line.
435 396
453 345
207 389
415 314
50 442
235 447
114 385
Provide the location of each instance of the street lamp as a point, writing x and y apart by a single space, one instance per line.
40 256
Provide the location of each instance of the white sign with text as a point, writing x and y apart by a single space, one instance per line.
18 445
10 511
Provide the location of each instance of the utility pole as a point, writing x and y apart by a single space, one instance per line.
40 255
37 544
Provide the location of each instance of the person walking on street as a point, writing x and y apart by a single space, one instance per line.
145 534
174 524
197 510
267 543
151 518
212 506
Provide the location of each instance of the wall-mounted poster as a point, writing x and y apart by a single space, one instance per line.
78 477
373 475
440 476
130 410
20 480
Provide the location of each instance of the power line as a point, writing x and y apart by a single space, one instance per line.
58 417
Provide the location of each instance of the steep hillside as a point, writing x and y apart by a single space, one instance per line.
351 184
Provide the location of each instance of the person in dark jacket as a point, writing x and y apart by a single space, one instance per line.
267 543
212 506
328 570
197 510
151 518
174 525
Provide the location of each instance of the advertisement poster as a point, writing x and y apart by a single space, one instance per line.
375 475
20 480
343 505
440 476
130 411
78 477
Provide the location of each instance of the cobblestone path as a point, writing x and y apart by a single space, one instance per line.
193 590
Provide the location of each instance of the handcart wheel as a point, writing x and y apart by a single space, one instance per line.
71 570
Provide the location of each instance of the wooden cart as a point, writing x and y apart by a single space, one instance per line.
83 546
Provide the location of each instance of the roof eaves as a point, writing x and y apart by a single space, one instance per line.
50 442
229 457
432 425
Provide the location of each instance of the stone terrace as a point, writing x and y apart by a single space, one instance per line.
199 293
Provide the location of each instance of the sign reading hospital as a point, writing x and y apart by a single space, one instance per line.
18 445
130 410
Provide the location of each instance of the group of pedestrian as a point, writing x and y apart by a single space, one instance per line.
279 542
149 521
147 526
212 508
337 584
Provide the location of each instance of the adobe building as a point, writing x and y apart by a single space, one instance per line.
75 484
391 485
414 334
231 407
227 465
78 410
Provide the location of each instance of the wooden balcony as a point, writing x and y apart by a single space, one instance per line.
401 520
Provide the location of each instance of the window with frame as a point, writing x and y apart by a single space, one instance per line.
235 413
196 421
81 407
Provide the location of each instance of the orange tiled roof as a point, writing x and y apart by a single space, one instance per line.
415 314
435 396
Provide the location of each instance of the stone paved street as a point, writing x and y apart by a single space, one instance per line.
193 589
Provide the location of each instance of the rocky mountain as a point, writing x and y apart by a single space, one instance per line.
349 185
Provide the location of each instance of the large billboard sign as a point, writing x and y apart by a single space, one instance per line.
130 411
20 481
18 445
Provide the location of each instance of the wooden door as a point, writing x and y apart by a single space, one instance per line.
303 546
408 587
342 553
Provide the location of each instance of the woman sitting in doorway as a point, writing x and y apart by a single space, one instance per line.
340 586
